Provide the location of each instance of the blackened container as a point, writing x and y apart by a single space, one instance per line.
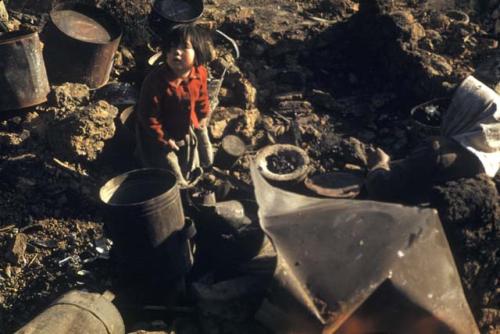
147 224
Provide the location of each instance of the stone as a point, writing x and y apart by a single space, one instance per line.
294 107
82 134
353 151
408 25
246 124
4 15
70 95
239 22
245 93
17 248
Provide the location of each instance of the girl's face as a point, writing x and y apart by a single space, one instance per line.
181 58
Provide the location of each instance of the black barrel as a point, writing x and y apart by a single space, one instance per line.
80 43
23 80
148 227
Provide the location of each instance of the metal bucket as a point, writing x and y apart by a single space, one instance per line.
78 312
80 43
23 79
421 126
167 13
148 227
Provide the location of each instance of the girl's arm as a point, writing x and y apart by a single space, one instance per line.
148 109
203 102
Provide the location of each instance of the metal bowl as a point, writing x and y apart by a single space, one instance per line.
286 150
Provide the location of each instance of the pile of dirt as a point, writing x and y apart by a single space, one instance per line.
470 212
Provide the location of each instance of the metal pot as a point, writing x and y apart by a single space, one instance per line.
288 152
23 79
80 43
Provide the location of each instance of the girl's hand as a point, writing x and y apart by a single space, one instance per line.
171 143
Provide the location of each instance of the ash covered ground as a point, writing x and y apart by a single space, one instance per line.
325 75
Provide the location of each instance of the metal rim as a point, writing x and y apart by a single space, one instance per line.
15 36
296 176
416 108
200 8
114 27
109 188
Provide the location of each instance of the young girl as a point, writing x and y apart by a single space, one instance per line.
173 107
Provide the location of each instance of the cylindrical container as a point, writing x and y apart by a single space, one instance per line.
283 165
230 150
425 118
167 13
77 312
80 43
148 227
23 80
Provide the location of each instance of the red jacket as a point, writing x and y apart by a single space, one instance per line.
166 111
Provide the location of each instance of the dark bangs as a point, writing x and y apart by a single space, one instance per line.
199 37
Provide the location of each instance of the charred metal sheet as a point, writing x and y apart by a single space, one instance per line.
80 43
23 80
347 266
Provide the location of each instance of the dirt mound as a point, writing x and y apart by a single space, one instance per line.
470 212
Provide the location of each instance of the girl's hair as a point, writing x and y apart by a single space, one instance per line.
199 37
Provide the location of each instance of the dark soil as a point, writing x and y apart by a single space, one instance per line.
282 163
470 212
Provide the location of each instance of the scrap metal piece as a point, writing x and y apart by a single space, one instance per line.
370 266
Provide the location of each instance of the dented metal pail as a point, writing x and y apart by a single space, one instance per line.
23 79
80 43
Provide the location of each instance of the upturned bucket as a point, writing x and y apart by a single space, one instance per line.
23 79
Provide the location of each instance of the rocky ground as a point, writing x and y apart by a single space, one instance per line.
327 75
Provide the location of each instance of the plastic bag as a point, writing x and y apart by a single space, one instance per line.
348 266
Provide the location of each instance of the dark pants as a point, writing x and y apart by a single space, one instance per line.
437 160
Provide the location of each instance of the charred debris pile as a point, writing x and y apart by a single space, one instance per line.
327 77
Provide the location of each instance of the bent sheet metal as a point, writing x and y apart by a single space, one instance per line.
347 266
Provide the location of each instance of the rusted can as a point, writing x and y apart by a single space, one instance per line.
78 312
23 79
80 43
